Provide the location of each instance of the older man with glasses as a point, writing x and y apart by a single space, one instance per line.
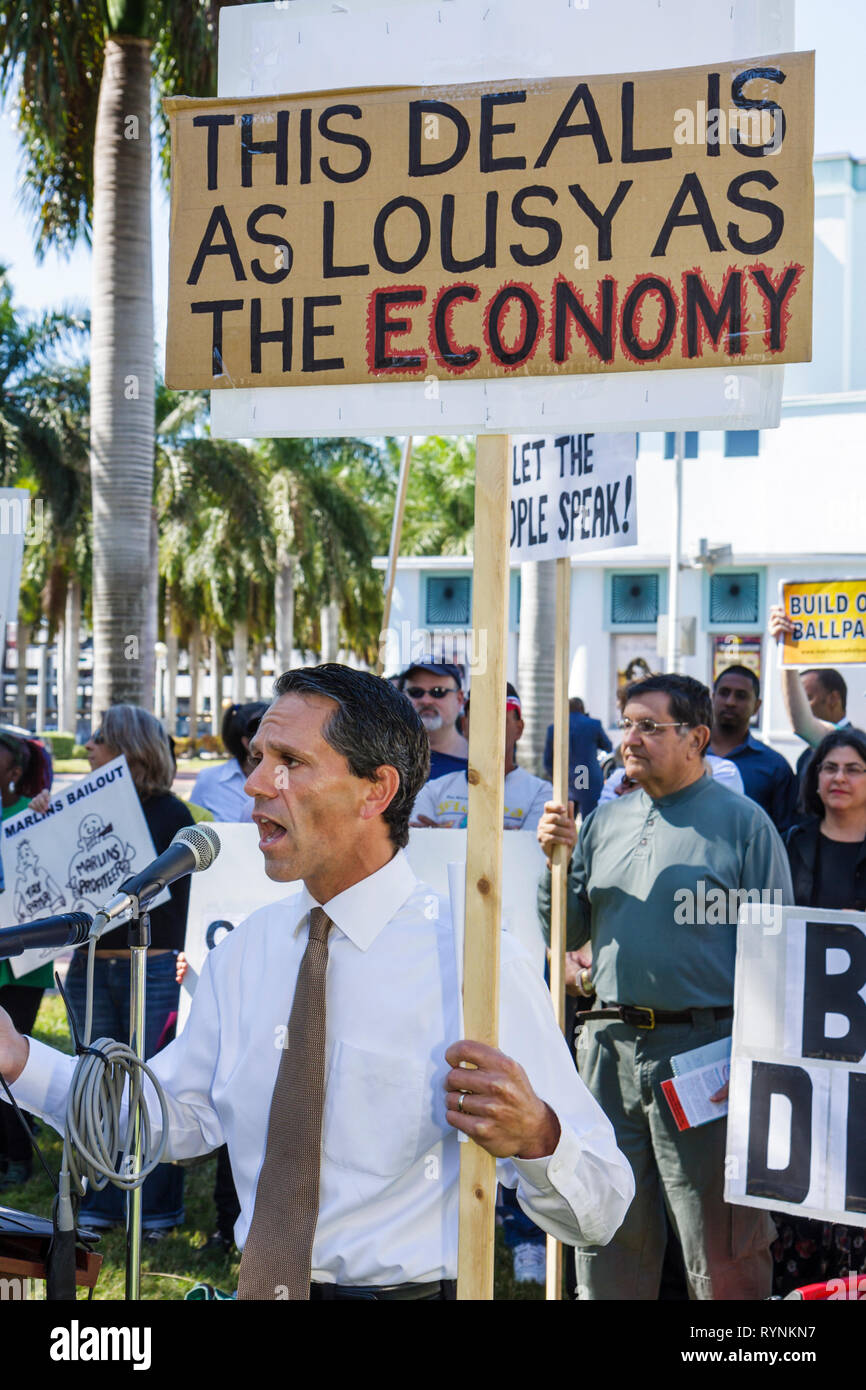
664 983
436 691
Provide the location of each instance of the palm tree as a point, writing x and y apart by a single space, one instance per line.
43 447
84 70
216 548
440 498
327 533
536 658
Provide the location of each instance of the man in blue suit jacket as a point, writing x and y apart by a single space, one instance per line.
585 737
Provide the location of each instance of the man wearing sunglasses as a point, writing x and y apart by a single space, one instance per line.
664 984
436 691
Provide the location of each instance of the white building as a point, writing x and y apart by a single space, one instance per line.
788 502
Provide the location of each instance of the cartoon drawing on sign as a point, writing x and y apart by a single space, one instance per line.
100 861
35 890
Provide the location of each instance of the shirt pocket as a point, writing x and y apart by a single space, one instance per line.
373 1108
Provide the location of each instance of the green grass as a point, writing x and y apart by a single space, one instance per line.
171 1268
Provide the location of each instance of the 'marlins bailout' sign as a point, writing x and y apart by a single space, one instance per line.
659 219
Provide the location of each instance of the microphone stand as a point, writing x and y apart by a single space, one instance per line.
139 940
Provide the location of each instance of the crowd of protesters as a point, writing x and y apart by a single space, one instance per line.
691 796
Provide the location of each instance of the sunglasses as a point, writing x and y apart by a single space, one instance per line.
417 692
97 737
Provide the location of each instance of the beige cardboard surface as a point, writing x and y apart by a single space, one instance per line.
532 228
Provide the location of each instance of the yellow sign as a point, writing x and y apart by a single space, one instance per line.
598 224
830 622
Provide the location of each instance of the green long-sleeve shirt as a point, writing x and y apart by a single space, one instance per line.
644 888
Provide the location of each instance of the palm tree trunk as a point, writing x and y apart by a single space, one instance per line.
42 650
68 652
216 687
240 655
194 657
330 632
536 658
171 673
284 606
257 669
122 391
22 640
150 631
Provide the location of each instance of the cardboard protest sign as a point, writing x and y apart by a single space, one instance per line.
797 1111
236 884
546 227
572 493
830 619
72 858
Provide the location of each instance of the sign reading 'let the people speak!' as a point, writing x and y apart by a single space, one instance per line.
572 493
652 220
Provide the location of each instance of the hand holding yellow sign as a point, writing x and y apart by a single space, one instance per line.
826 623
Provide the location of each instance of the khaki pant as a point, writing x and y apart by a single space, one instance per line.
725 1247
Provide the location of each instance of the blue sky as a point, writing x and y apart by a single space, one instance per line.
836 29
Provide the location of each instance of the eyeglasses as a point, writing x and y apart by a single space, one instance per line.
97 737
438 692
849 769
647 727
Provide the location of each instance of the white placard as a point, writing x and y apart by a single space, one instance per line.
797 1115
572 493
72 858
296 46
236 884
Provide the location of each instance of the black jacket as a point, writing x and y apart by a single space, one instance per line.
801 843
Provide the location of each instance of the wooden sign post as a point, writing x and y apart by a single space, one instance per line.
559 875
394 550
486 809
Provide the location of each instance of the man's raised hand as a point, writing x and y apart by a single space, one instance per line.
779 622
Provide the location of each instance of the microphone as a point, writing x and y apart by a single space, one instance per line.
69 929
193 848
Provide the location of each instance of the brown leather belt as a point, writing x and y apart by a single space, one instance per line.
640 1017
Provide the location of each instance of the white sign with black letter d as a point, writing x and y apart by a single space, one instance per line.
797 1114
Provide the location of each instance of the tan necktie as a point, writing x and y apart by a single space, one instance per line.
278 1252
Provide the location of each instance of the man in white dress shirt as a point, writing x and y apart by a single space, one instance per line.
339 758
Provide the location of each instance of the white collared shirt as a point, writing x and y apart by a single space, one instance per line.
220 789
388 1191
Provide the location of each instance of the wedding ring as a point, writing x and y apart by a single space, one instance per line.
460 1101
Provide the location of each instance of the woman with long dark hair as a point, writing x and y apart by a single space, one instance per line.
828 867
142 740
